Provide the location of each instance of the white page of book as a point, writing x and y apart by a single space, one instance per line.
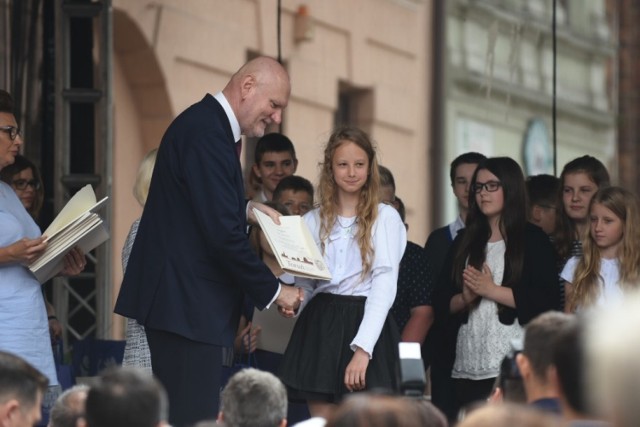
84 200
291 243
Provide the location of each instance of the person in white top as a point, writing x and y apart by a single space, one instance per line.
610 264
345 340
499 274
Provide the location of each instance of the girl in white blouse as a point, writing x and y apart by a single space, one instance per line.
345 339
610 264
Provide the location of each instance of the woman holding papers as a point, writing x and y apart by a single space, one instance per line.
24 329
345 340
23 176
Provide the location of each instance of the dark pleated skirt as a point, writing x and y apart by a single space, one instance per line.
318 353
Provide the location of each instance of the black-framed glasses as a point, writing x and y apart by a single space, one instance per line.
490 186
13 131
21 184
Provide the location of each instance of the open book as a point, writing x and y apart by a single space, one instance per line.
77 224
293 245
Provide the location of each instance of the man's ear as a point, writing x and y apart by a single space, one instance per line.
81 422
283 423
247 85
8 411
295 165
524 366
220 419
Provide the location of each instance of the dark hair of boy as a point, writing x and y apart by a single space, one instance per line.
295 183
542 190
471 157
386 177
273 142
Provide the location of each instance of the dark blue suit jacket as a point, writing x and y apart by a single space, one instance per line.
191 259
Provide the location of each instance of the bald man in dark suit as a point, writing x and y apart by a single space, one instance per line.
191 261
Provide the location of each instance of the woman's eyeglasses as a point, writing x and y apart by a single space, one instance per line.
21 184
13 131
490 186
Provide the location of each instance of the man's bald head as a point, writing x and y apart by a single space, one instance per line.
258 93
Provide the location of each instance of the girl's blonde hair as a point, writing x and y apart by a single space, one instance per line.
143 178
367 209
587 279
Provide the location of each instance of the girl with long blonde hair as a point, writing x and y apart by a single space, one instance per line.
610 264
345 339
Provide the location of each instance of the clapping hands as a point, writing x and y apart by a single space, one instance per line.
478 282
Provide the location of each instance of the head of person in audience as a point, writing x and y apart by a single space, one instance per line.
10 135
274 159
143 176
388 192
542 190
508 415
23 176
387 187
259 241
614 233
126 397
253 398
613 361
568 374
461 171
381 410
295 193
69 407
535 361
21 390
579 181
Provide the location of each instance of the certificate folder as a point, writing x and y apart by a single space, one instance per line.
77 224
293 246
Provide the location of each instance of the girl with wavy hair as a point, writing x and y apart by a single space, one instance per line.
610 264
499 274
345 339
579 181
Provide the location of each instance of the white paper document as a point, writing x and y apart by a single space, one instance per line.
77 224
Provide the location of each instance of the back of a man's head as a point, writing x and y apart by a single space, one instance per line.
69 407
20 381
126 397
253 398
569 363
539 340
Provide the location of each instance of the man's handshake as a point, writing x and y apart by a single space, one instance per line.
289 300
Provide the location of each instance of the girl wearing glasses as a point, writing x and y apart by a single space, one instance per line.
499 274
24 178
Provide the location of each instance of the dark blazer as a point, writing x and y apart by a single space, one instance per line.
191 260
437 246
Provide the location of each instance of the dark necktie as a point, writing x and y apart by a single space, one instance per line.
239 147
